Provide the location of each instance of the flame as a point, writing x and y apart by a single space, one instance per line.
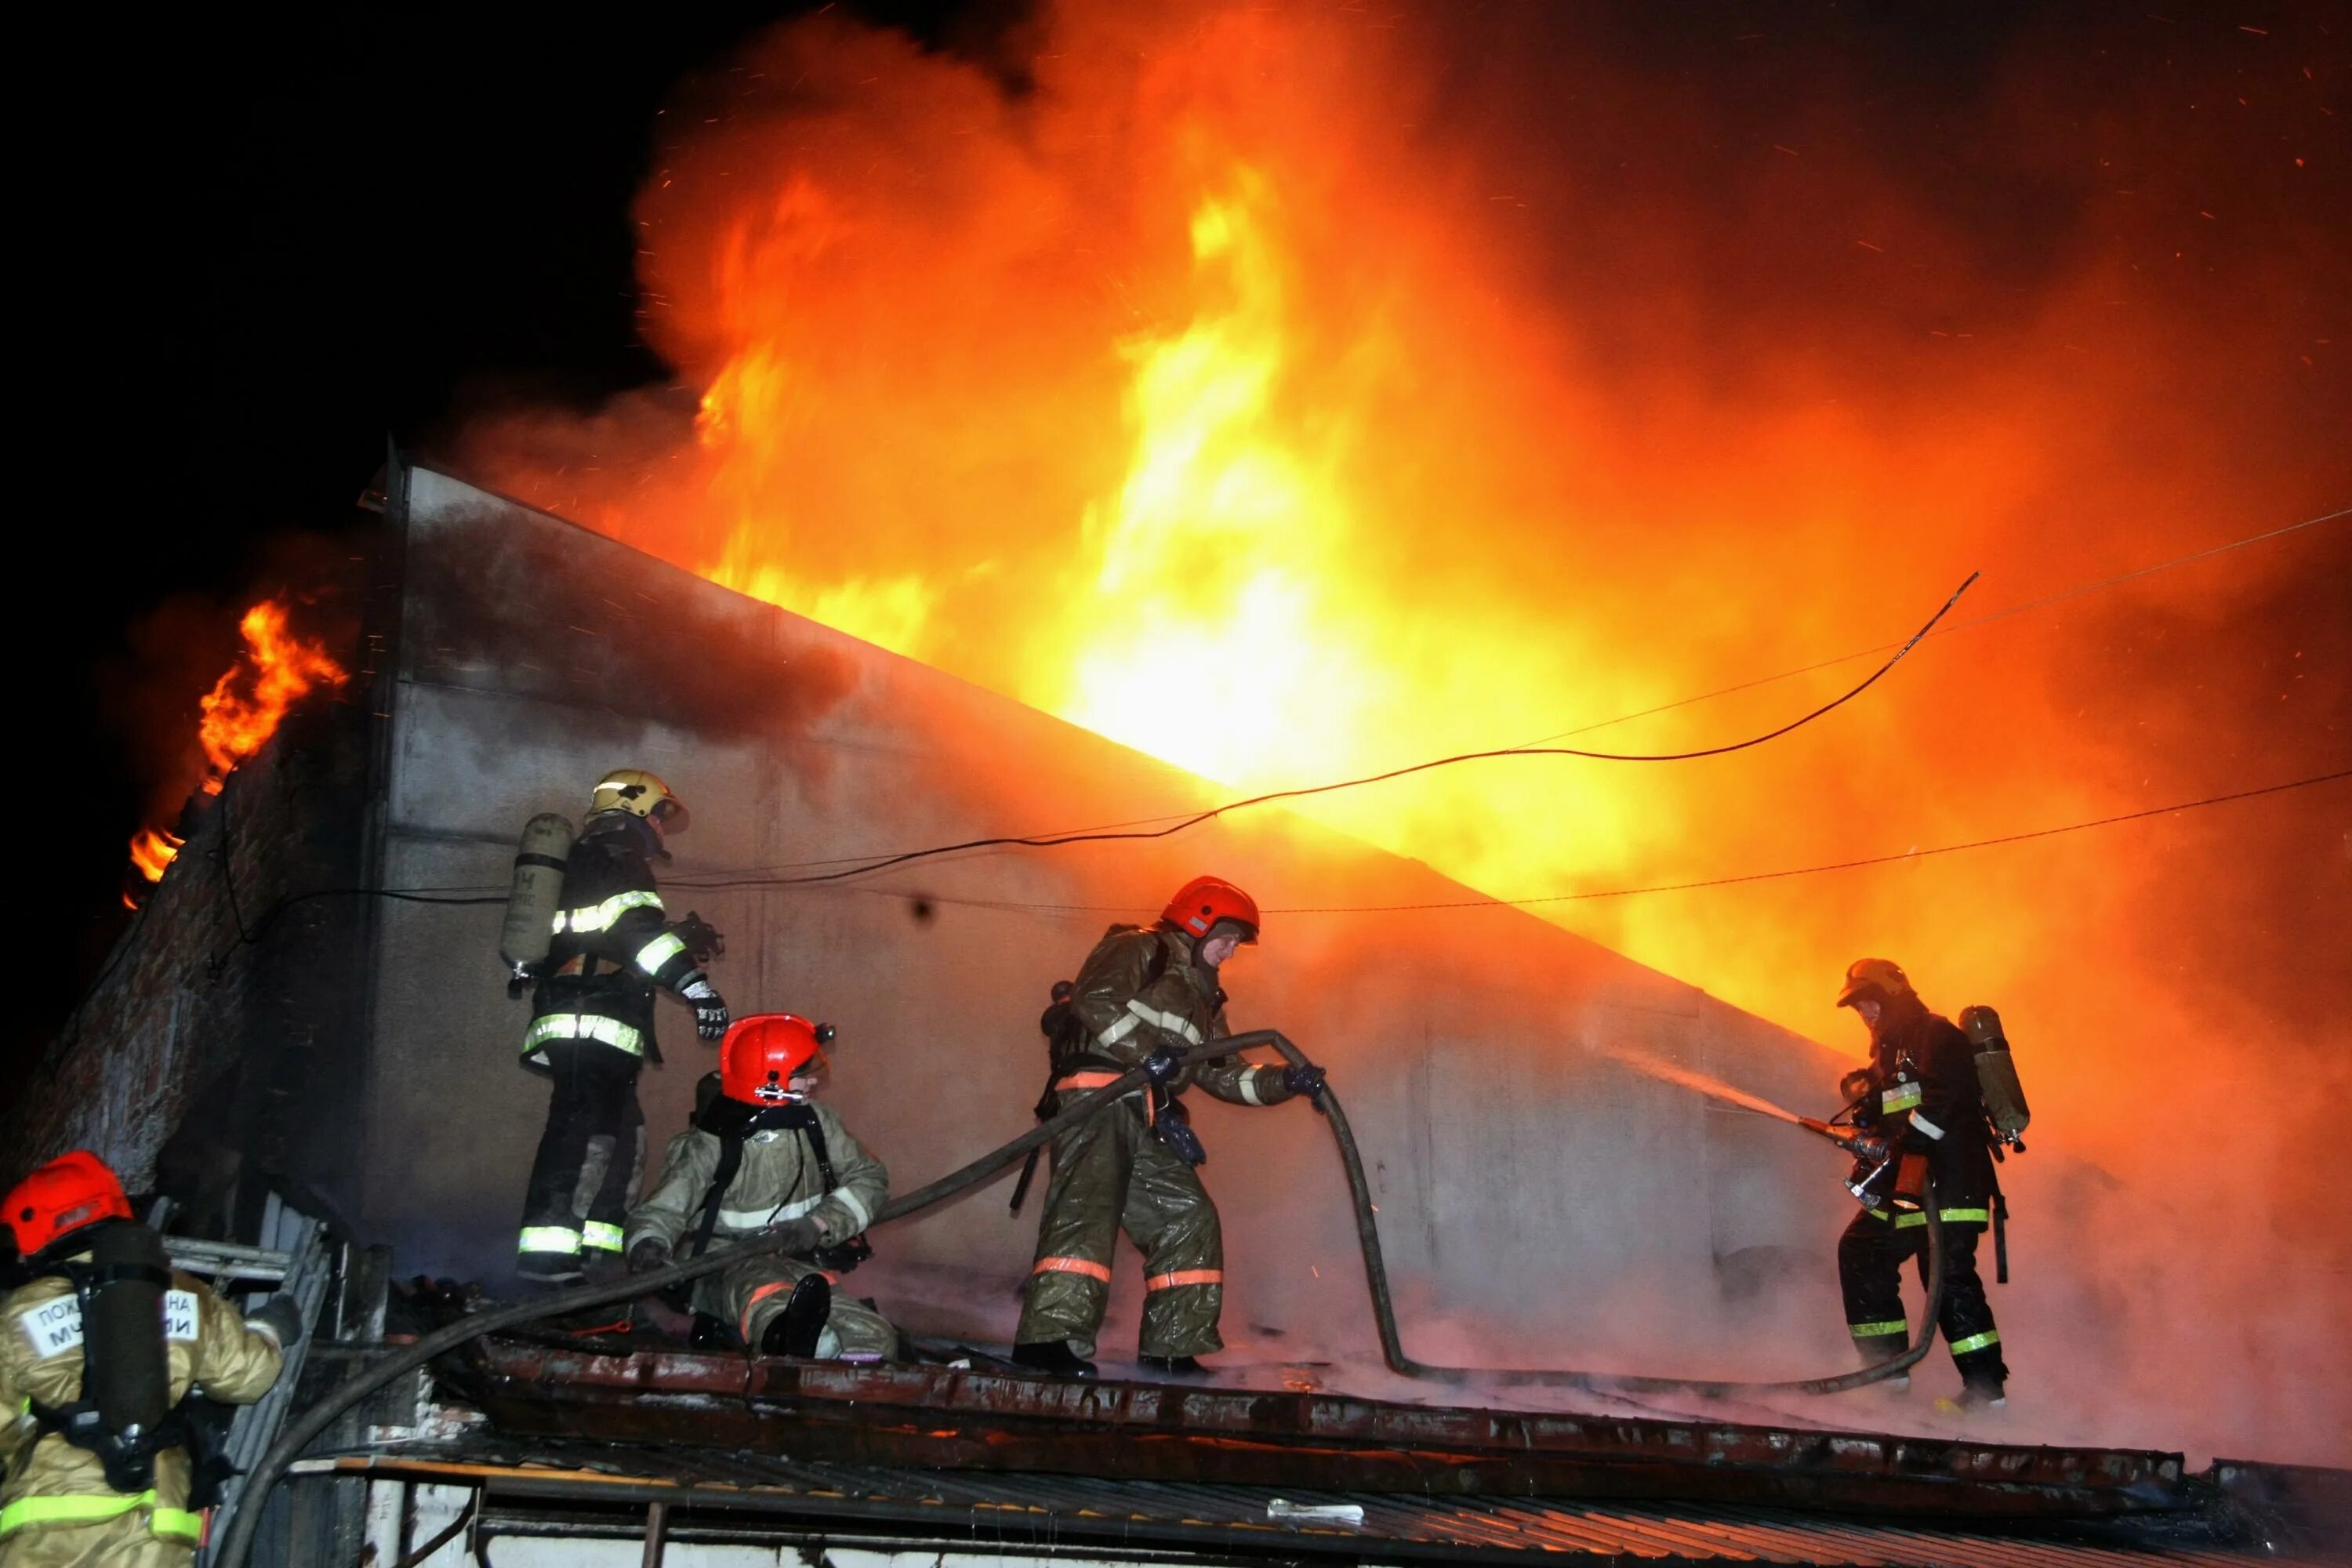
276 669
1249 391
247 704
152 850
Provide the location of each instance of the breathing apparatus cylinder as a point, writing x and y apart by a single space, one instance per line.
126 1371
2004 1096
537 891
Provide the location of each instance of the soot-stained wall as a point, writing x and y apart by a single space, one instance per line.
1526 1181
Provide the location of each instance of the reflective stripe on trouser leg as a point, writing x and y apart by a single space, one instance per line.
750 1296
1967 1317
550 1238
1169 1215
590 1140
599 1236
1869 1275
1077 1232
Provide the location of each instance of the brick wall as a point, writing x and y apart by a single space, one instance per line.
221 1007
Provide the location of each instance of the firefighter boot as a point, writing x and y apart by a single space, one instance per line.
796 1328
1053 1357
1174 1365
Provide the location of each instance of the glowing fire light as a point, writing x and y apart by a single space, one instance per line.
243 710
278 669
152 850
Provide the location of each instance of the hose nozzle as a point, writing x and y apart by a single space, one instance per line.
1840 1136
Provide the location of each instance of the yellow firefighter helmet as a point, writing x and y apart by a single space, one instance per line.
1882 975
639 794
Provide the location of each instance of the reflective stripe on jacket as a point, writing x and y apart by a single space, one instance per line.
49 1482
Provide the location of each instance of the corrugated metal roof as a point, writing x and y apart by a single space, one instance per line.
1037 1510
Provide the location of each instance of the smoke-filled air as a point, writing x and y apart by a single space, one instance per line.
1299 393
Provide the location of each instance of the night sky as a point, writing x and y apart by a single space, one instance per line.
295 236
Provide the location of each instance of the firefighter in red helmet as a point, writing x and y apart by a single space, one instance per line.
762 1157
1143 997
98 1349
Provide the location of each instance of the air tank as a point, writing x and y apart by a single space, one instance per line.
537 891
129 1375
2005 1097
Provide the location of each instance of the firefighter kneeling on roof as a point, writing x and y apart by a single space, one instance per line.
1918 1106
1144 997
763 1158
98 1353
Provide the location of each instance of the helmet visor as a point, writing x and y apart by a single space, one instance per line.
670 815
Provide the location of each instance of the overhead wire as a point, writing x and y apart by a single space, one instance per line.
1050 841
1481 903
1175 823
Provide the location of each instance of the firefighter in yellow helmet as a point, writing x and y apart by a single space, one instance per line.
1919 1102
1142 997
592 1028
97 1351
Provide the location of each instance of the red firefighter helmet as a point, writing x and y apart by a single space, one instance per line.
1201 902
69 1193
762 1052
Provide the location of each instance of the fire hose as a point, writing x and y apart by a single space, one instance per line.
237 1541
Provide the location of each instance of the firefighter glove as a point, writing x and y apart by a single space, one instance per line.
1870 1149
1307 1080
650 1253
710 1014
799 1235
280 1317
1163 1064
1181 1141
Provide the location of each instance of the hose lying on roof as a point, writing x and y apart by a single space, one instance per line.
237 1542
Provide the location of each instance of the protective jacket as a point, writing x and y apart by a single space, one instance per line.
56 1506
1923 1096
1139 991
780 1177
612 947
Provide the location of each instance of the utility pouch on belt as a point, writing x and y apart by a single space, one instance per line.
1911 1178
2004 1096
1173 1126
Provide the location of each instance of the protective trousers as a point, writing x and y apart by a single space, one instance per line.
749 1297
1111 1175
589 1160
124 1542
1870 1266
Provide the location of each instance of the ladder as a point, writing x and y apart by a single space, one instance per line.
293 1257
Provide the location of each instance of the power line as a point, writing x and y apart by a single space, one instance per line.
1712 882
746 876
1983 620
1056 840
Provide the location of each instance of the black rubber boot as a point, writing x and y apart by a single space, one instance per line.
1174 1365
794 1332
1054 1356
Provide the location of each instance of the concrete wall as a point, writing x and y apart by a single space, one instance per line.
1528 1182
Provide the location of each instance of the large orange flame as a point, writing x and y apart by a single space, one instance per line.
1253 393
247 704
243 710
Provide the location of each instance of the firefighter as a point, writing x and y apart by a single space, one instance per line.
592 1028
763 1158
1920 1102
1144 997
97 1351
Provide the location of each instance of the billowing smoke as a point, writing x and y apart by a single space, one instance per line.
1294 393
